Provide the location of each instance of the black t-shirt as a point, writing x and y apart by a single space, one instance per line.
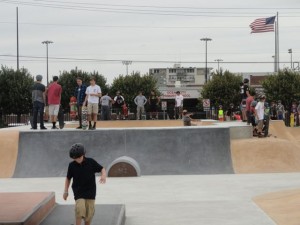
245 89
119 102
84 181
153 99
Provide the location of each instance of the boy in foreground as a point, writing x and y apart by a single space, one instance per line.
83 170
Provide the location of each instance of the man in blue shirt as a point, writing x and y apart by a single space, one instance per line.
80 96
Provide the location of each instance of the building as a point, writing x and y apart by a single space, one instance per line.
187 80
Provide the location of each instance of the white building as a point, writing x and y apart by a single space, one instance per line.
187 80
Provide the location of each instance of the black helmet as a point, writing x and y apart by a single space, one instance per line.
246 81
77 150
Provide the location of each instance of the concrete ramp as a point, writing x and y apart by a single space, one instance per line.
158 151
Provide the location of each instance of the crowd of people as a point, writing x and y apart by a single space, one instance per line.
90 96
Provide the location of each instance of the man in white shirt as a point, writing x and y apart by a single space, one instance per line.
260 113
93 93
178 105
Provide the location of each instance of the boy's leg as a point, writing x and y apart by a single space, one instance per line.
90 210
95 113
80 210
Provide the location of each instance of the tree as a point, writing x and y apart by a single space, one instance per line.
130 85
15 91
284 86
68 82
223 89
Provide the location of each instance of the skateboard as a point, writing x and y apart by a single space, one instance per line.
73 107
60 117
84 118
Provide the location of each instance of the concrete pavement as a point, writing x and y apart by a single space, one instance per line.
177 200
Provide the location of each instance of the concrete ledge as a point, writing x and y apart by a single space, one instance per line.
25 208
241 132
104 215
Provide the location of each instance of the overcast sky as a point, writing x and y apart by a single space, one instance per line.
164 31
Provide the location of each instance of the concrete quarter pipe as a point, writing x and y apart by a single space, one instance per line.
159 151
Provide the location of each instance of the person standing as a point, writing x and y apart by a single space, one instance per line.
93 93
245 90
38 100
140 102
280 110
54 96
82 170
105 102
178 105
119 101
259 114
80 97
249 99
153 102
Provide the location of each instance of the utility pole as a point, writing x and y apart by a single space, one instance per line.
47 43
206 40
127 63
218 61
291 52
18 63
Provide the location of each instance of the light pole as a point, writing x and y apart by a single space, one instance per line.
218 60
47 43
206 40
291 52
273 56
127 63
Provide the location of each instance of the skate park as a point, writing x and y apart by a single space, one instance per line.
213 173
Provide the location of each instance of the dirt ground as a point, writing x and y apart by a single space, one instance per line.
283 207
140 123
278 153
9 141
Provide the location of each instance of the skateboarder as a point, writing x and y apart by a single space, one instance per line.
93 93
54 96
82 170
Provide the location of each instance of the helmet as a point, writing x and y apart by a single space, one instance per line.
39 77
77 150
246 80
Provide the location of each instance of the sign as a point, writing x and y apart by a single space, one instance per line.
187 94
163 105
206 103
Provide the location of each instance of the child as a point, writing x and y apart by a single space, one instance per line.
187 119
83 170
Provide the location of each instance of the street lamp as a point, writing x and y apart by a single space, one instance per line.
218 60
47 43
127 63
291 52
206 40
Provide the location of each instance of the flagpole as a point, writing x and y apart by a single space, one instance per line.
275 56
17 11
277 43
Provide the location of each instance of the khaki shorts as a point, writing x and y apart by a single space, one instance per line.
53 110
85 209
93 108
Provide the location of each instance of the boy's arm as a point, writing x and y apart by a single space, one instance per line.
103 176
67 185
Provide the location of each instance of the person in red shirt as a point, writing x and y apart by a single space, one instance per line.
249 99
54 96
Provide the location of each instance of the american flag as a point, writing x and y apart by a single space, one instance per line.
263 25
